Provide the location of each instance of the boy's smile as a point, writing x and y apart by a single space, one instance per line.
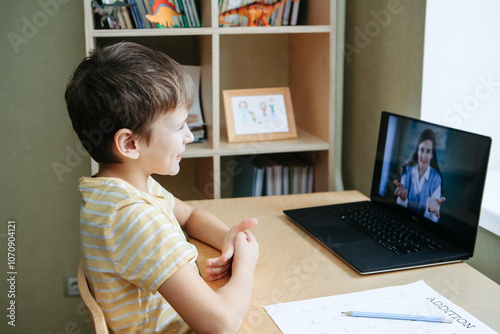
169 137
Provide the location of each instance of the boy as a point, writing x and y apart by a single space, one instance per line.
129 104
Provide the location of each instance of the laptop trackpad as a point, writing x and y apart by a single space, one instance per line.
336 234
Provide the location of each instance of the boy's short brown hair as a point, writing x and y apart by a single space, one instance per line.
124 85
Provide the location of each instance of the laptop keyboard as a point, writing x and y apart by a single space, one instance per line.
397 237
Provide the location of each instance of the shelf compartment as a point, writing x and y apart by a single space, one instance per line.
195 180
311 14
183 49
309 80
231 170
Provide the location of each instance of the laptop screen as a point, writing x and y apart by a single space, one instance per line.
432 174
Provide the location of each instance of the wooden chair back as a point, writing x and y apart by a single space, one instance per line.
99 323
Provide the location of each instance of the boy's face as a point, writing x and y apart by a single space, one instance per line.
169 137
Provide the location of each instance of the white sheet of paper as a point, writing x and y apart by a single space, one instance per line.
324 315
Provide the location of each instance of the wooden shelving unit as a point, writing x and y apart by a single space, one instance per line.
301 57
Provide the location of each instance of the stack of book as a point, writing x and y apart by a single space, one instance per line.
267 175
285 15
145 14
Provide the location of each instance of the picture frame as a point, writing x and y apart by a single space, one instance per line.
259 114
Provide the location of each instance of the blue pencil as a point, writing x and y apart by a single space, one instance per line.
397 316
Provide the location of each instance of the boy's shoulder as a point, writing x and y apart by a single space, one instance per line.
107 186
119 190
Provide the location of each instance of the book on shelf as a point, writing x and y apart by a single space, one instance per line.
301 175
195 118
285 14
135 15
294 13
125 18
249 179
145 14
273 174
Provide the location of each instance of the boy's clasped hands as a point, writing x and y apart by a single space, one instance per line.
239 243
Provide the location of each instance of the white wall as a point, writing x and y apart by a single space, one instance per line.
461 72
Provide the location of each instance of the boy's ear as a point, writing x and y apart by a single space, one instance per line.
126 144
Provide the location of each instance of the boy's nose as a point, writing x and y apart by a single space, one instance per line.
189 136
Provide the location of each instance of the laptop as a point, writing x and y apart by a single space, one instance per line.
424 205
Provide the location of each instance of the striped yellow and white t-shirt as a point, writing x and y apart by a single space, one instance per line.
131 243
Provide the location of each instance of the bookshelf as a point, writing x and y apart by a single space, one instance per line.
301 57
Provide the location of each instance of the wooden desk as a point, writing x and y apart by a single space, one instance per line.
293 266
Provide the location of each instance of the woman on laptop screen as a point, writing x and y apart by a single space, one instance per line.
421 180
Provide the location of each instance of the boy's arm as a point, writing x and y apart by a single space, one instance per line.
201 225
209 311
